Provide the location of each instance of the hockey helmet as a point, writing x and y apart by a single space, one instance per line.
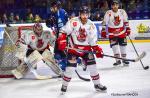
37 28
84 9
56 3
115 1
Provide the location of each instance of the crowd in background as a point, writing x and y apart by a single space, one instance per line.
28 11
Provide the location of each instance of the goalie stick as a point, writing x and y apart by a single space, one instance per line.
131 60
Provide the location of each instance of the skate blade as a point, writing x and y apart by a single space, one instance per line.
101 91
62 93
126 65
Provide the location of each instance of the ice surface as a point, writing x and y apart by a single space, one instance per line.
124 82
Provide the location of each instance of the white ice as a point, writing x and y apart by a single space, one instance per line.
130 81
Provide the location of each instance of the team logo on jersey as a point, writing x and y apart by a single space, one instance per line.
117 20
81 36
74 24
40 43
33 37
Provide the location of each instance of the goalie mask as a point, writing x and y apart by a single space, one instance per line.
38 29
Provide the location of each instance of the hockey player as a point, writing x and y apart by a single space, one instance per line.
118 28
34 47
57 19
81 33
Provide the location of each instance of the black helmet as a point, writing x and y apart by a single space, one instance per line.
84 9
56 3
115 1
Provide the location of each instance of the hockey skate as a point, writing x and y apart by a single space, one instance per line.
125 63
100 87
63 89
117 63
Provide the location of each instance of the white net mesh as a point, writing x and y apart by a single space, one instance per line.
8 61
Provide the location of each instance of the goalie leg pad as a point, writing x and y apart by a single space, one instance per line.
20 71
48 57
34 58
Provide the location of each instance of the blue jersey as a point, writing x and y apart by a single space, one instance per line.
58 19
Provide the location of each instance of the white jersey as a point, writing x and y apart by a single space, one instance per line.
38 43
115 19
81 34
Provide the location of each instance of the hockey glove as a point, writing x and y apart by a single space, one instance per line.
62 43
128 30
98 50
103 33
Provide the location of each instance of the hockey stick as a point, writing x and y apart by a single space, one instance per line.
131 60
144 67
29 66
82 78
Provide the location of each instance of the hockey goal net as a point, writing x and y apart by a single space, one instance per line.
8 61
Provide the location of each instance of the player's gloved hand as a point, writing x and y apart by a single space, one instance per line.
98 50
103 33
128 31
62 43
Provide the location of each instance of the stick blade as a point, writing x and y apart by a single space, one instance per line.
140 56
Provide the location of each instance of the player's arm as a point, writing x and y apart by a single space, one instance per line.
104 23
64 32
126 22
92 41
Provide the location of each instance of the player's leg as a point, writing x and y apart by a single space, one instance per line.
123 45
70 68
91 66
62 62
115 47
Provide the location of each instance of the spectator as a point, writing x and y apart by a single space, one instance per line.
37 18
97 17
104 7
30 18
4 18
11 18
17 19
